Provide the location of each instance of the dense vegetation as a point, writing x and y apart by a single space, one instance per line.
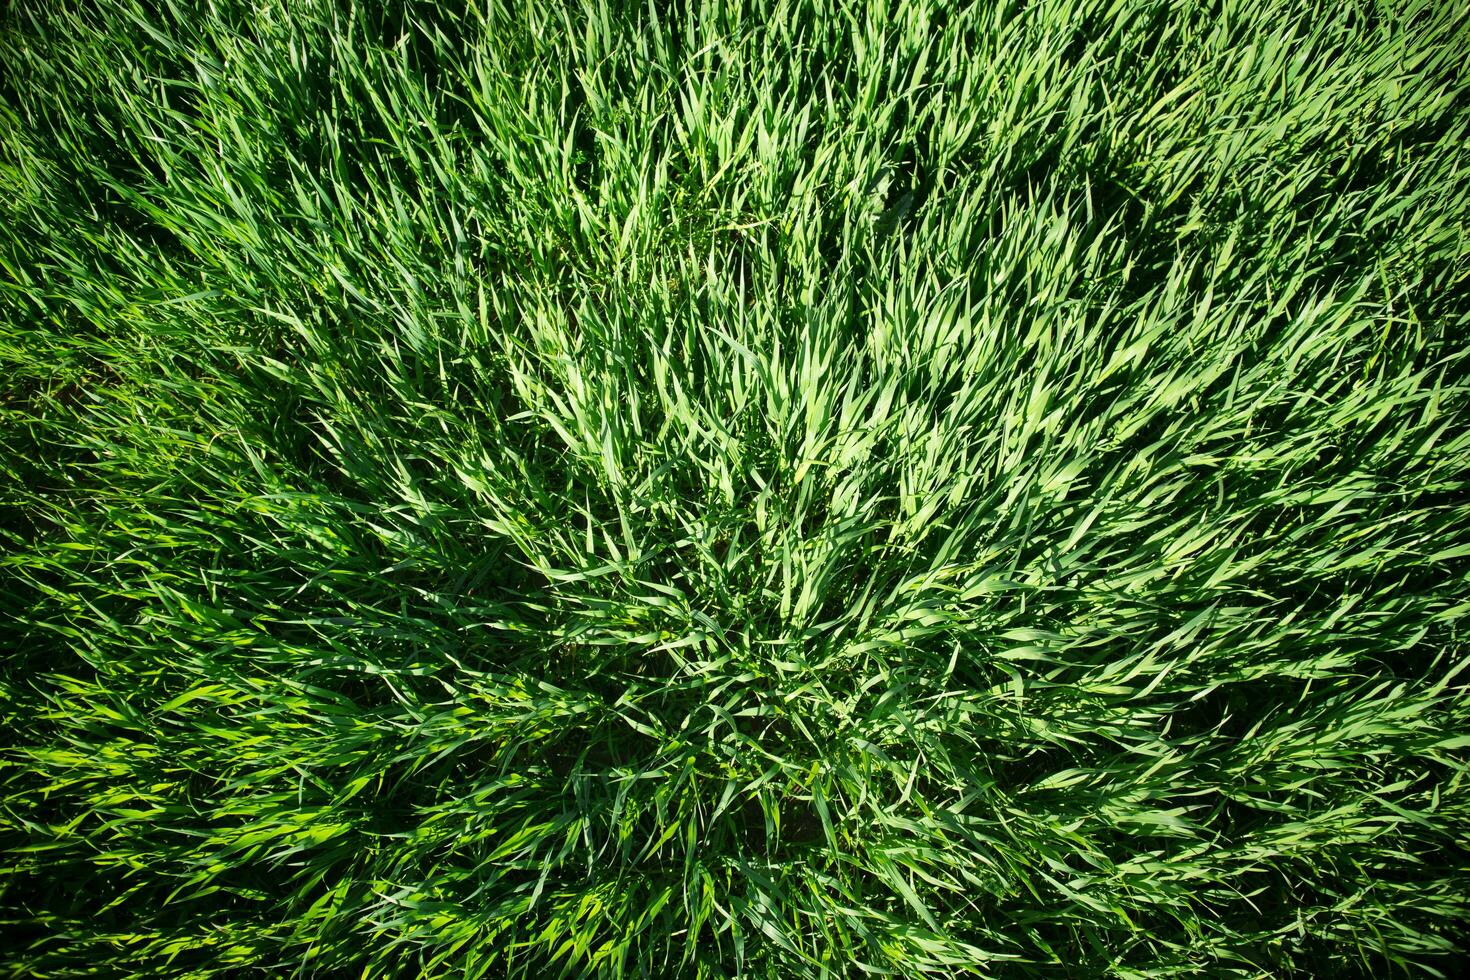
768 489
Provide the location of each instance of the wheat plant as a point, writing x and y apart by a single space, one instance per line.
736 488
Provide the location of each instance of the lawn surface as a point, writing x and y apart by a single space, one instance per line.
767 489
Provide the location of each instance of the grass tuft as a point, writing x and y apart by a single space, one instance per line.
763 489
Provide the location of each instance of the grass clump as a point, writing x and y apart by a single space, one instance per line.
764 489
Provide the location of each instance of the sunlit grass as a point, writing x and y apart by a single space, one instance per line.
783 489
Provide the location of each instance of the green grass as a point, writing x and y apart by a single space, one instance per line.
768 489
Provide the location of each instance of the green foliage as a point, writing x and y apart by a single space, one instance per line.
770 489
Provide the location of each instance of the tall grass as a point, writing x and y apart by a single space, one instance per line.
763 489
